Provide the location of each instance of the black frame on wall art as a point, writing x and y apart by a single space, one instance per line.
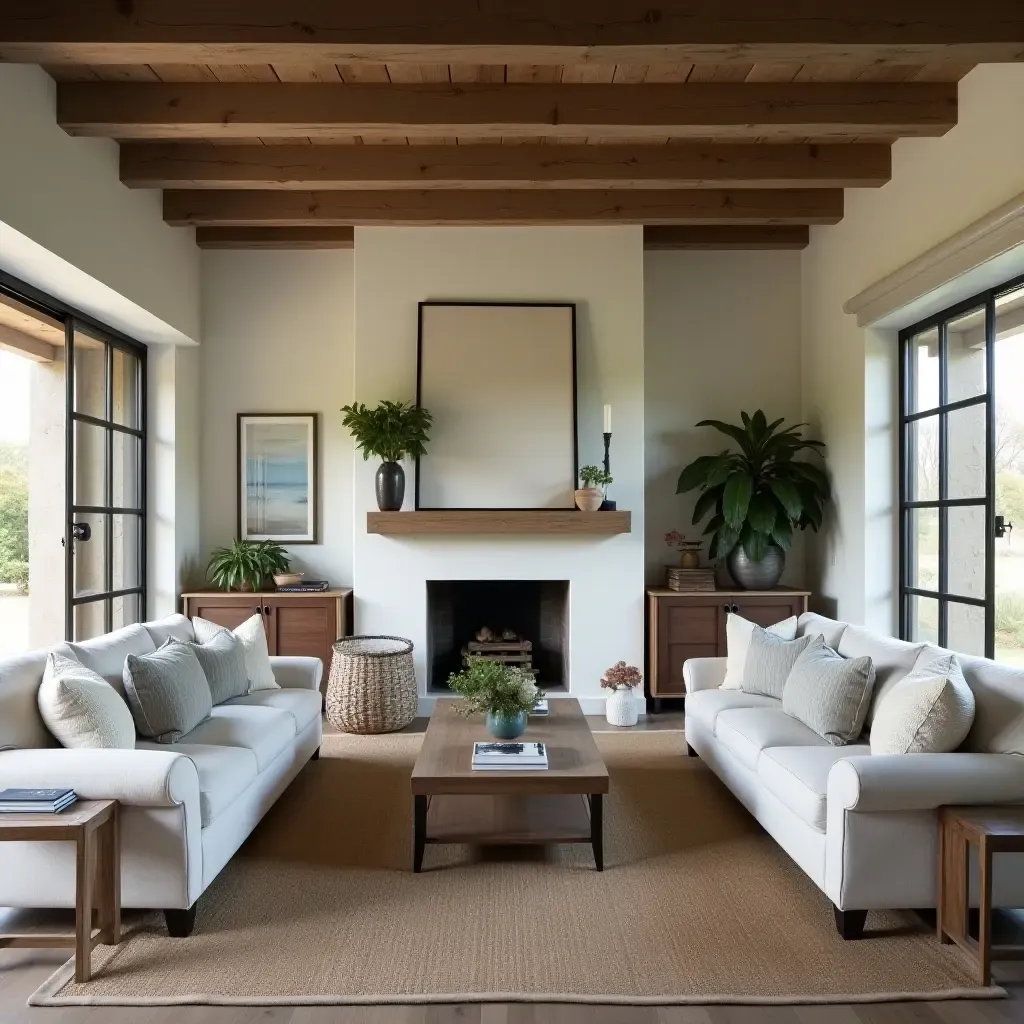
424 400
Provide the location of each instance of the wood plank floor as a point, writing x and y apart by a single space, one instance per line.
23 970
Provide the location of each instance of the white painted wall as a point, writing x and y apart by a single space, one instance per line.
65 194
601 269
722 334
277 330
938 187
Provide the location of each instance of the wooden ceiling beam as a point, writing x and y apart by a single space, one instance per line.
244 207
275 238
726 236
685 165
153 110
22 344
506 32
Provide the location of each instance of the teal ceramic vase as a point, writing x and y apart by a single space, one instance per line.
506 727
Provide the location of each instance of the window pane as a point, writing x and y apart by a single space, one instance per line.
90 376
125 555
126 470
125 610
90 620
966 629
966 447
924 371
923 458
125 388
965 347
924 548
966 551
91 555
924 619
90 460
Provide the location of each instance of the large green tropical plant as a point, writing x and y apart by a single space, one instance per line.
246 564
390 431
759 495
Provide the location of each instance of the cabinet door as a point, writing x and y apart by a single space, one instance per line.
227 610
686 629
305 627
769 609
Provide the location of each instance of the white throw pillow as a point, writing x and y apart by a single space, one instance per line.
929 711
81 709
254 643
738 631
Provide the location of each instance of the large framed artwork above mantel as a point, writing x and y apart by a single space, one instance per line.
500 381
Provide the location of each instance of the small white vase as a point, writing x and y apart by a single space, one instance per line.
620 709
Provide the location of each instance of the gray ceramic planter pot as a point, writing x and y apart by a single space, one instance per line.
390 487
763 575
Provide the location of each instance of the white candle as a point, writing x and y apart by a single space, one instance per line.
607 419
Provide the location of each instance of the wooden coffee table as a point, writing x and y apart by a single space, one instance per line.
560 804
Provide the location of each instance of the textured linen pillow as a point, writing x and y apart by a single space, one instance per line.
737 640
254 643
830 694
770 660
81 709
223 662
167 692
929 711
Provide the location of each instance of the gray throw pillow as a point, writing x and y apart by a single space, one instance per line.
770 659
223 662
830 694
167 692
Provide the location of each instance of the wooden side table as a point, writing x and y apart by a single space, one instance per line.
92 825
998 829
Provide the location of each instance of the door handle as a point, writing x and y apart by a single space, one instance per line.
81 531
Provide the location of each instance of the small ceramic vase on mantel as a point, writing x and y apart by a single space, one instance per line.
589 499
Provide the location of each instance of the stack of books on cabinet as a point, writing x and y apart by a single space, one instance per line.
690 581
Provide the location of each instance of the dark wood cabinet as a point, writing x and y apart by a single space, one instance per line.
304 625
682 626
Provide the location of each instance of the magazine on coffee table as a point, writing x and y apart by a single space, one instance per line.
505 756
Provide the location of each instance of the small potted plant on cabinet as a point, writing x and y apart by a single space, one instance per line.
391 431
246 564
506 695
590 496
620 707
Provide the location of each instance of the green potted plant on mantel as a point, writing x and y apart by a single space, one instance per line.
390 432
505 694
757 497
246 564
595 481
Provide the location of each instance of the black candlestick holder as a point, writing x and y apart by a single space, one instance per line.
606 505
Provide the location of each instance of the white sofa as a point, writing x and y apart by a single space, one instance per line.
862 827
186 807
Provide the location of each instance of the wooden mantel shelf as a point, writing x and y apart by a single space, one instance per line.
527 521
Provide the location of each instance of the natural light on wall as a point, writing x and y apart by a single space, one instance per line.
14 437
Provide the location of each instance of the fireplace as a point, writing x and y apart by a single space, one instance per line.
528 622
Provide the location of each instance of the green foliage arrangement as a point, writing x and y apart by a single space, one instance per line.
246 564
390 431
13 516
489 686
759 495
594 476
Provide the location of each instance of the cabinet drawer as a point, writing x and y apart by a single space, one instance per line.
695 623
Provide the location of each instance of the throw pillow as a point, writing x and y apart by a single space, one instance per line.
929 711
81 709
770 660
830 694
254 643
737 640
167 692
223 662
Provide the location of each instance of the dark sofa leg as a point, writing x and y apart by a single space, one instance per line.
850 923
316 755
181 922
690 752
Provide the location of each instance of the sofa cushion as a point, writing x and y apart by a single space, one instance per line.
224 773
798 777
264 731
106 654
254 641
812 624
21 725
706 705
771 659
82 709
892 659
998 706
303 705
177 626
167 692
738 632
745 732
223 662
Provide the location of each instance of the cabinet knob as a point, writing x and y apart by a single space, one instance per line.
266 609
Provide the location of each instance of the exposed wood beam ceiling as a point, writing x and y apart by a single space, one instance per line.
274 124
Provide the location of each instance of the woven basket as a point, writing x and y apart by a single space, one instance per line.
372 686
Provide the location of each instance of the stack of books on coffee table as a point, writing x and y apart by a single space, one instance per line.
509 756
36 801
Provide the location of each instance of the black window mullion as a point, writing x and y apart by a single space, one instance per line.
943 482
108 520
141 404
990 476
907 458
69 479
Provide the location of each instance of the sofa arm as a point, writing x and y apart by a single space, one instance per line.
297 673
920 782
140 778
703 673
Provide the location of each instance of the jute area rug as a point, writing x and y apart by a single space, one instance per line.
696 905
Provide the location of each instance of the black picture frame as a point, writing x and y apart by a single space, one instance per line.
571 306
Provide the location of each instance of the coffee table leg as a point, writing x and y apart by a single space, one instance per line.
596 829
83 904
419 831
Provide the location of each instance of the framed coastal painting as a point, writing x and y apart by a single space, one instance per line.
277 477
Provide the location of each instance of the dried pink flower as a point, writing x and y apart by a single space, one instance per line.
621 674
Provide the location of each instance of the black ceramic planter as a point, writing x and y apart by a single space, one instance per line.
390 486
